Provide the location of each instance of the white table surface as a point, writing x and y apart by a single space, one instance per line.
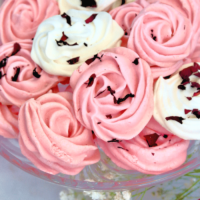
18 185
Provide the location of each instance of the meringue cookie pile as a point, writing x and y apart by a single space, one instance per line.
120 75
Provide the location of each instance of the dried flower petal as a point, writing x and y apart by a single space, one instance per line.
89 3
187 111
196 112
16 49
35 73
175 118
115 140
151 139
91 80
73 60
67 17
15 77
90 19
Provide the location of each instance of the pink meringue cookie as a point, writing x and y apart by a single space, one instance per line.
9 121
135 154
190 9
124 16
20 19
97 106
51 137
162 36
27 85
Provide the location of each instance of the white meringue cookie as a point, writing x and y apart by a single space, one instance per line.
102 33
171 101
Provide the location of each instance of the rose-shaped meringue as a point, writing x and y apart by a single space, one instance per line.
9 121
51 137
190 9
20 19
86 39
124 16
161 35
95 5
121 3
175 103
18 82
113 96
153 151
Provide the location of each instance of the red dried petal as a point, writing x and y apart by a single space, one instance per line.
64 37
15 77
196 67
189 98
1 75
3 62
35 73
90 19
181 87
73 60
196 93
197 74
109 116
186 73
114 140
91 80
16 49
195 84
100 93
122 148
67 17
187 111
167 77
185 82
136 61
89 3
151 139
175 118
196 112
126 97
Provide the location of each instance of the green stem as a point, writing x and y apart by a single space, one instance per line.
183 194
143 194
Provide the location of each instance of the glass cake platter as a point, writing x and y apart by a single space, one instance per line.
102 176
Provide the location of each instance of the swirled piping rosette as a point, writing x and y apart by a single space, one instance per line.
9 121
113 95
153 151
189 9
124 16
94 5
177 102
162 36
52 138
20 78
20 19
64 42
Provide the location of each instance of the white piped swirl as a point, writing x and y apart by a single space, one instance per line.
171 101
102 33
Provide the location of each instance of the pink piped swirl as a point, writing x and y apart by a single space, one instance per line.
51 137
162 36
20 19
27 85
9 121
190 9
124 16
95 104
135 154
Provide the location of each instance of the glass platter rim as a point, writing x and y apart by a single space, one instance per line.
111 185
